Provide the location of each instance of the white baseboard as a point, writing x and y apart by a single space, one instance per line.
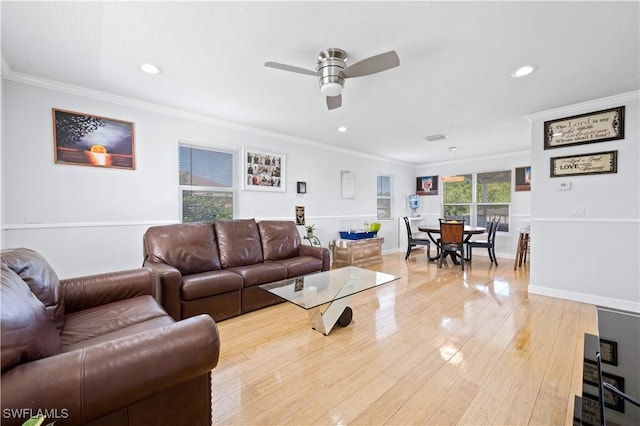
625 305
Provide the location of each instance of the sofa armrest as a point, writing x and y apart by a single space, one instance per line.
88 383
319 252
170 286
94 290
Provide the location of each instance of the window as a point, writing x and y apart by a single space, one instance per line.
384 197
478 198
457 196
493 195
206 183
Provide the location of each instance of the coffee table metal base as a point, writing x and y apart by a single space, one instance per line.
336 312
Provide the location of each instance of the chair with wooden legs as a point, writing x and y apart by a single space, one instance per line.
417 240
489 243
451 240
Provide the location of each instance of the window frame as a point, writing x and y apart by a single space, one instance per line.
475 204
384 197
478 204
182 188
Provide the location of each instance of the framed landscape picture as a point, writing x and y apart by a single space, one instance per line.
263 170
90 140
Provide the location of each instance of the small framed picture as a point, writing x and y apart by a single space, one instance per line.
263 170
523 178
612 400
302 187
609 352
300 219
590 410
590 372
427 185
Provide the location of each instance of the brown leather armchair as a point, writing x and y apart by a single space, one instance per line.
99 349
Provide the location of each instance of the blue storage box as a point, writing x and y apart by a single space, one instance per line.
357 235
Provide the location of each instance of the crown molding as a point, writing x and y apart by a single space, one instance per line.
481 158
31 80
582 106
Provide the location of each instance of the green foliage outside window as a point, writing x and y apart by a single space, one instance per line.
457 193
206 180
206 205
492 197
494 187
457 189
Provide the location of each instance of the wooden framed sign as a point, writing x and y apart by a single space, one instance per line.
585 164
599 126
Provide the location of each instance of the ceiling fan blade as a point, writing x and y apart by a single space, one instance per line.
372 65
334 102
290 68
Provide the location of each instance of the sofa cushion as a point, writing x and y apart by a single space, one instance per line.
280 239
189 247
261 273
211 283
301 265
90 324
41 279
28 333
238 242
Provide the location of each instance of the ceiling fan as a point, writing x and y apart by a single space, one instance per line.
331 70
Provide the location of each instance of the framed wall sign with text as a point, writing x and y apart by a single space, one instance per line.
585 164
599 126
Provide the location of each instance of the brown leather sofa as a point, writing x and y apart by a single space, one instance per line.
217 267
99 349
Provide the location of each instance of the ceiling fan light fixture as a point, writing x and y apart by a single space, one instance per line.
331 89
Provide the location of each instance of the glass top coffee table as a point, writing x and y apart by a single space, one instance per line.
332 288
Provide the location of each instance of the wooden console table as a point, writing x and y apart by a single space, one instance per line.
356 252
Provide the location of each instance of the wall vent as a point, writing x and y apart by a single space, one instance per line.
433 138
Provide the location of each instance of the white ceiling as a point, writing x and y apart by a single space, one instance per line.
454 73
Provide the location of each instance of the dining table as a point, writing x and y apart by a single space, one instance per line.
434 229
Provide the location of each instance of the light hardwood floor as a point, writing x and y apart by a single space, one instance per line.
434 347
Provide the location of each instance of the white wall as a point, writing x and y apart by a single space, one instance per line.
89 220
594 258
431 205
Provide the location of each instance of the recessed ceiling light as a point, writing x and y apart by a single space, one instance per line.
453 148
523 71
342 129
151 69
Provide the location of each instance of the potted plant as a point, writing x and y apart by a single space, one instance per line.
310 229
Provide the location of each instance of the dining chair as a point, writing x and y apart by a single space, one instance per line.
451 240
413 241
489 243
